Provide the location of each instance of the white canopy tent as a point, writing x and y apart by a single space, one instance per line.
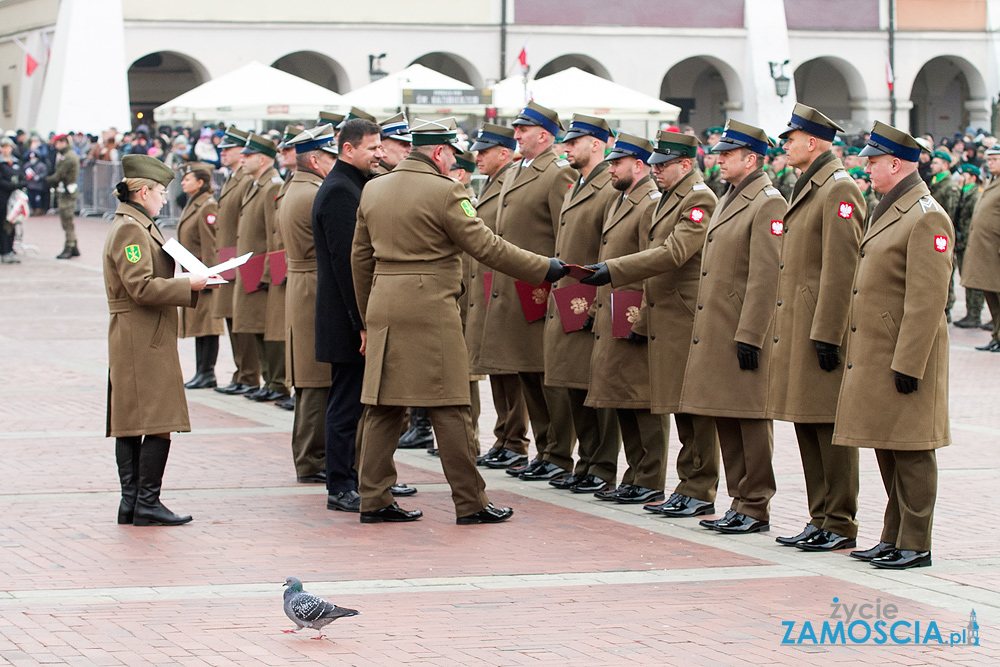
254 92
385 96
572 91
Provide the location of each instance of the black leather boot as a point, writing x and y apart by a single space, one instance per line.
206 351
149 511
419 434
68 252
127 454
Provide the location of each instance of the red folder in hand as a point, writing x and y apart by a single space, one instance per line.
624 311
226 254
534 299
573 303
252 272
578 272
279 266
487 286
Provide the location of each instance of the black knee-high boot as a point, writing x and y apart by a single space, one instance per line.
149 511
127 454
206 352
420 433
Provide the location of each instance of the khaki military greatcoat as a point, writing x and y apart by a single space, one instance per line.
981 265
250 308
226 228
274 325
196 232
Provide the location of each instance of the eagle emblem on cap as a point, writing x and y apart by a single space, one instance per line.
539 295
777 227
697 215
941 243
632 314
579 305
845 210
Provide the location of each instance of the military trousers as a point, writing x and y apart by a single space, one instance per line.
747 446
272 363
698 458
910 479
476 408
551 421
993 303
309 431
973 296
598 435
245 355
831 473
66 204
644 437
457 450
511 429
343 417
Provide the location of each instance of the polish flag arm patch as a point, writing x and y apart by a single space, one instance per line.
777 227
941 243
697 215
845 210
210 218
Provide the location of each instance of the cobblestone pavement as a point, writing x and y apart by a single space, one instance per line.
568 580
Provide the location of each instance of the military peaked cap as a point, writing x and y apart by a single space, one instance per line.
741 135
259 144
812 122
673 146
543 117
629 145
494 135
588 126
887 140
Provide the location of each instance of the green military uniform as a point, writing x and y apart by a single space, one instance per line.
64 180
968 197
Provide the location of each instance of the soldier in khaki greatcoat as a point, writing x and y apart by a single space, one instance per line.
528 215
247 375
196 232
670 262
619 367
819 250
407 268
257 215
494 147
567 355
315 155
726 373
981 263
145 388
898 340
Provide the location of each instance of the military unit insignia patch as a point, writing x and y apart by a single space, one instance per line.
697 215
941 243
132 253
777 227
468 208
845 210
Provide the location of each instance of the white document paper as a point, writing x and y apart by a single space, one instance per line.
188 261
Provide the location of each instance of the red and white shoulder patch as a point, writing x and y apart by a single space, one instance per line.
846 210
210 218
941 243
697 215
777 227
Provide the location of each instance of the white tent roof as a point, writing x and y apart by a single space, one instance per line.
252 92
385 96
572 91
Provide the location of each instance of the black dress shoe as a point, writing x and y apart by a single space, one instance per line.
391 514
992 346
515 470
877 551
402 490
488 514
254 392
287 404
825 540
546 471
202 381
612 494
481 459
318 478
689 507
902 559
566 480
267 395
234 388
345 501
806 533
671 501
742 524
505 458
635 495
715 523
589 484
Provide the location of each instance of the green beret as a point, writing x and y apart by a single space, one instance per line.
941 155
144 166
776 151
465 160
858 172
967 168
852 150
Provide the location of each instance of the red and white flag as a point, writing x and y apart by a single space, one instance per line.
889 79
522 58
30 64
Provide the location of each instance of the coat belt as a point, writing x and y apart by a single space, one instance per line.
423 266
119 305
301 265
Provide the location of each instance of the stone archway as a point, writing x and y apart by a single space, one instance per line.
948 95
578 60
315 67
451 65
159 77
705 88
833 86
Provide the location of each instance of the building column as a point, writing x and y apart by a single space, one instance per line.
767 41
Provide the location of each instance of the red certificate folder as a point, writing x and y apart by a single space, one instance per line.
573 303
279 266
226 254
252 272
578 272
624 311
534 299
487 286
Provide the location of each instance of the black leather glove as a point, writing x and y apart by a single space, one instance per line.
638 339
262 286
748 355
601 275
829 355
557 269
588 323
905 383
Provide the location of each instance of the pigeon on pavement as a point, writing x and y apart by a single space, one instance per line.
310 611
